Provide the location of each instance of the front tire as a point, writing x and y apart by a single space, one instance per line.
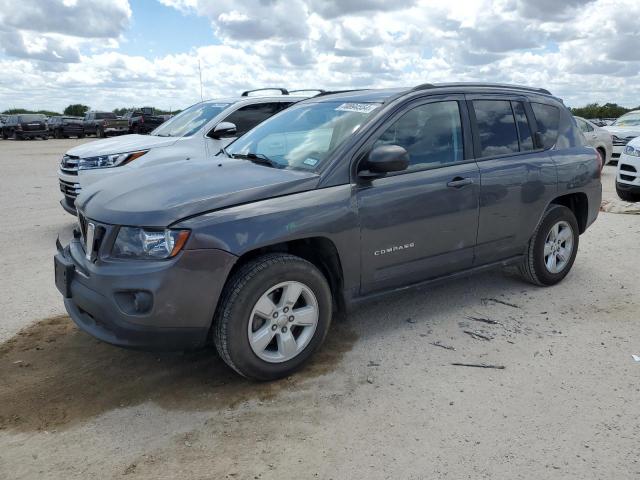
273 314
552 248
626 195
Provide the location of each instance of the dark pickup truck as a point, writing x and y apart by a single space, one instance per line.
143 121
338 198
103 124
28 125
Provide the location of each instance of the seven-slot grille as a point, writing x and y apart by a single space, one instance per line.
69 164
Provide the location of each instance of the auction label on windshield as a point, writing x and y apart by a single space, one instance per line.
358 107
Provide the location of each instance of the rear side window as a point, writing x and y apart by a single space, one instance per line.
584 126
524 130
496 127
548 119
246 118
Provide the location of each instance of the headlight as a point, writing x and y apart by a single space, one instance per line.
633 151
144 243
106 161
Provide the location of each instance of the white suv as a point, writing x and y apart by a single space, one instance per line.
628 173
198 132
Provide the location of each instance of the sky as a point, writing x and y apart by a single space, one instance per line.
120 53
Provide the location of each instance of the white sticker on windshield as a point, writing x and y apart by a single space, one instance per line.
358 107
311 161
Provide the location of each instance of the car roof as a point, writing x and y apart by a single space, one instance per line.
388 94
259 99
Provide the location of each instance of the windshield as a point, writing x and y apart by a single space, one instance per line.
31 118
303 136
190 121
628 120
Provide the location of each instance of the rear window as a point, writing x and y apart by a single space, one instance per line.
31 118
106 115
548 119
496 127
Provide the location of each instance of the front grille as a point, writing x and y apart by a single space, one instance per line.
627 178
69 164
628 168
69 189
621 142
82 221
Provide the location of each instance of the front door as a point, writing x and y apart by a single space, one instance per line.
421 223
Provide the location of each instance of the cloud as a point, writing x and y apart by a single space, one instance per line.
581 50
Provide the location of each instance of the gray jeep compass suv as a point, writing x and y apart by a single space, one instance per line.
338 198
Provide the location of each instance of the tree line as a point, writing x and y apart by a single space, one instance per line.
79 110
595 110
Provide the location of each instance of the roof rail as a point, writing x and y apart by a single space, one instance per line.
331 92
319 90
426 86
283 91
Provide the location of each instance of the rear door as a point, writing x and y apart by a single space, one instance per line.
516 177
420 223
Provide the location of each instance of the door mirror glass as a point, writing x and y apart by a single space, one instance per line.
385 159
223 130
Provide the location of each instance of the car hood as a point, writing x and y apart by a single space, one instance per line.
121 144
167 193
623 132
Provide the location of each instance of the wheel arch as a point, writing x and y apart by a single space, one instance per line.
320 251
578 203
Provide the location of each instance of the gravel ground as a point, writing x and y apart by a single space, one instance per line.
379 401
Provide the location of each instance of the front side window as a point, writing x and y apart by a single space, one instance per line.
302 136
246 118
548 120
496 127
430 133
188 122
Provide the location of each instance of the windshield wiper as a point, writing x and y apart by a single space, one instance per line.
257 158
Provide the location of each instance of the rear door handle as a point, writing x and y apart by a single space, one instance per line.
459 182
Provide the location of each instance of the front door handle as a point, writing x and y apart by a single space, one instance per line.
459 182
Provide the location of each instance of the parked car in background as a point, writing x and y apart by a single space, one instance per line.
623 130
597 137
104 124
28 125
628 172
65 127
336 199
143 121
198 132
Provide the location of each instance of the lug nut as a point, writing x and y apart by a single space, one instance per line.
285 309
275 314
284 329
291 318
274 327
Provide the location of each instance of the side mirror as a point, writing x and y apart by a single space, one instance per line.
223 129
385 159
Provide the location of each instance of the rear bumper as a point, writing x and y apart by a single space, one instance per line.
182 295
33 133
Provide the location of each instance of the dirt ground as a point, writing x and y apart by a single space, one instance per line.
382 399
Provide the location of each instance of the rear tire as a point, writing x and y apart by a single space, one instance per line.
626 195
16 136
267 284
556 237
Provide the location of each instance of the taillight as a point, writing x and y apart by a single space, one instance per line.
600 160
